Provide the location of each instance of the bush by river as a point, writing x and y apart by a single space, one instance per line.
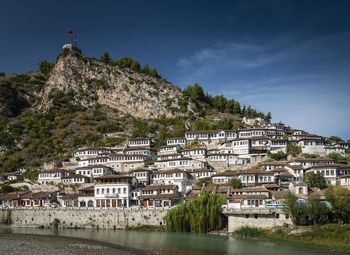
330 236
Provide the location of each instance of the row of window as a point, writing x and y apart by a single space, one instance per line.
111 190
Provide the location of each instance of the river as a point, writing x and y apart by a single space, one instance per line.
138 242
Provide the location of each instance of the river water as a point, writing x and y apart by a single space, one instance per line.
140 242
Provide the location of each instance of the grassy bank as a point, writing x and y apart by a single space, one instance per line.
330 236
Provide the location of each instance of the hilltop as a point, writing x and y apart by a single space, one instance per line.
77 100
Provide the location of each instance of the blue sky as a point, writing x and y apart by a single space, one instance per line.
288 57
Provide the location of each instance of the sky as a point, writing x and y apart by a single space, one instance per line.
290 57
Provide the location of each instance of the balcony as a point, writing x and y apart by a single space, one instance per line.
111 195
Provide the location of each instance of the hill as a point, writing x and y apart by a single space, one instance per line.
77 100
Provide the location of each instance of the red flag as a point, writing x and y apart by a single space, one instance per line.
70 32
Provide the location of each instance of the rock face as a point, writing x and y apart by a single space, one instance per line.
124 91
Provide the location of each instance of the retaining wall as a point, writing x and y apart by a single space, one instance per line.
82 218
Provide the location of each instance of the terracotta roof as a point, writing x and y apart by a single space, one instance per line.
92 167
270 186
90 188
158 187
70 196
248 196
13 195
251 189
169 171
279 194
312 159
345 176
226 173
254 171
103 157
324 165
295 167
274 163
113 176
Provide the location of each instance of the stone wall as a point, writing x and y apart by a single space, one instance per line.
82 218
258 220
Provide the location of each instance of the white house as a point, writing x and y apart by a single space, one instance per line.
182 163
158 196
94 171
76 179
312 145
176 141
198 153
256 177
93 161
169 149
181 178
53 175
224 177
209 137
113 191
241 146
140 142
308 162
92 152
345 180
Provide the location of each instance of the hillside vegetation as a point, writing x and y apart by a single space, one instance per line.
74 102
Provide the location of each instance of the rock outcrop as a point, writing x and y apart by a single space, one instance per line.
122 90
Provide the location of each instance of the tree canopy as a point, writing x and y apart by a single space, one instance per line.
315 180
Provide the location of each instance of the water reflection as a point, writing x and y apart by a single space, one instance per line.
177 243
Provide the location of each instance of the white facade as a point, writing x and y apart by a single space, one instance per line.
178 177
176 141
113 191
94 171
139 142
54 175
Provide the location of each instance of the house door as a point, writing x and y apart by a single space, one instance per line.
145 203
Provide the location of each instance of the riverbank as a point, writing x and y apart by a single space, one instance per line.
23 244
330 236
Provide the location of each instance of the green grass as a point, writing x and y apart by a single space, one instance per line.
330 236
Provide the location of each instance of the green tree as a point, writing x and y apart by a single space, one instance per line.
105 58
235 183
277 156
315 180
135 66
2 74
12 164
339 159
317 210
293 150
46 67
294 209
199 215
145 69
339 199
335 139
268 116
153 72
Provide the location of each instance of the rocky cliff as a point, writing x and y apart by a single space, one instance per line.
126 92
